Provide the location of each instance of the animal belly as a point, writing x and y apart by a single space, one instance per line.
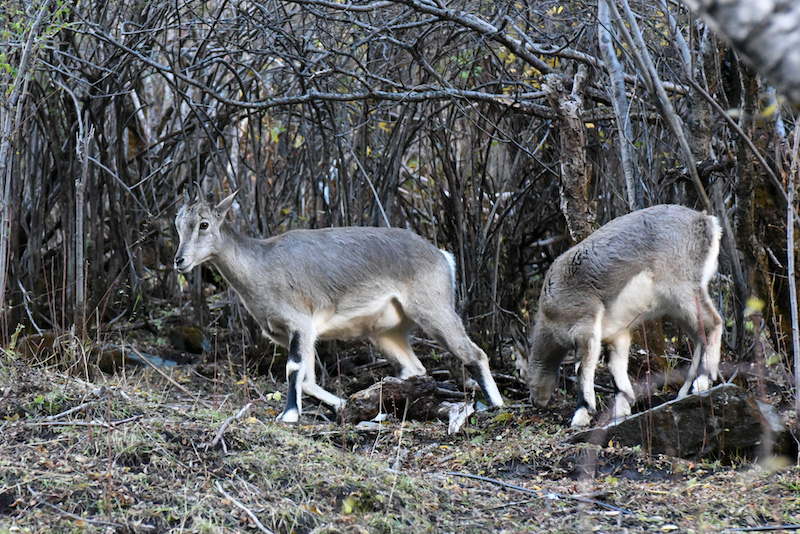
361 321
636 302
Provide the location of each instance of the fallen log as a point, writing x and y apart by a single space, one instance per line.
419 398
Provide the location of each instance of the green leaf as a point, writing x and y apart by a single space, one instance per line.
503 417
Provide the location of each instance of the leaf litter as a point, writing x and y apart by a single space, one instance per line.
135 451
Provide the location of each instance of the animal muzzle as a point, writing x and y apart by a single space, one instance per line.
181 265
542 387
541 399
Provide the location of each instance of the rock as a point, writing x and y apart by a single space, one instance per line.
189 339
725 420
111 357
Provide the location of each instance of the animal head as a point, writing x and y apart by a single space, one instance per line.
542 382
198 225
544 360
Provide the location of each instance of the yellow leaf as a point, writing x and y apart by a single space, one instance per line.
298 141
754 305
383 126
590 125
769 111
348 505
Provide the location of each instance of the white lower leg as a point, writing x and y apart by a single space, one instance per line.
618 366
581 418
588 358
622 408
294 400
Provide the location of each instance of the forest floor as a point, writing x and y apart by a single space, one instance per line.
158 450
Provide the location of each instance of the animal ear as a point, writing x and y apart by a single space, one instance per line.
226 203
186 199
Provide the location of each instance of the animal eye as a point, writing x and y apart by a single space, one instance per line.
204 225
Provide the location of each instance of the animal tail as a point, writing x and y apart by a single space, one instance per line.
451 262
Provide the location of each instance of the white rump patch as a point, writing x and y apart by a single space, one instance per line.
451 262
710 265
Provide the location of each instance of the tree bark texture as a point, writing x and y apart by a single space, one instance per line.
766 33
575 175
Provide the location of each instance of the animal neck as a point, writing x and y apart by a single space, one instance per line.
235 257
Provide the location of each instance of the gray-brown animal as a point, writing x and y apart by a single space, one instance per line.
647 264
334 283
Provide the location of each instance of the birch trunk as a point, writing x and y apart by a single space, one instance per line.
766 33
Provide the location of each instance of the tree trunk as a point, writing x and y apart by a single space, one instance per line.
575 176
764 33
633 181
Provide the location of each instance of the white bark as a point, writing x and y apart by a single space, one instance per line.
766 33
621 106
793 172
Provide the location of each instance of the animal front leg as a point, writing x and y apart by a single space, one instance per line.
588 357
618 366
294 378
310 386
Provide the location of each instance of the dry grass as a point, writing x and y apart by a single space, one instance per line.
133 457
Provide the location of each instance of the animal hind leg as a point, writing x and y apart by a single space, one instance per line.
446 327
707 347
712 322
394 344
